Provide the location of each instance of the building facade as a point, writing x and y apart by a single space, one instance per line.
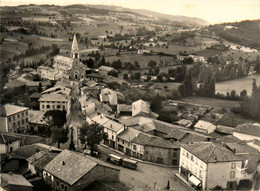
13 118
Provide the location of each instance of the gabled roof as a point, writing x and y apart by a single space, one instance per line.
14 84
141 106
13 179
41 159
192 137
6 138
63 58
100 119
242 148
70 166
142 139
249 129
160 142
210 152
128 134
114 126
54 97
29 150
9 109
203 125
36 117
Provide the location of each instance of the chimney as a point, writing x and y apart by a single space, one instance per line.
235 151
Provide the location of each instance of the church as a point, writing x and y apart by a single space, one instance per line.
67 67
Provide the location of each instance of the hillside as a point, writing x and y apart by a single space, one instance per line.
245 33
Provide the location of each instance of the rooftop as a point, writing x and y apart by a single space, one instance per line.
128 134
203 125
74 46
41 159
241 148
106 68
9 109
115 126
70 166
6 138
210 152
36 117
13 179
63 58
54 97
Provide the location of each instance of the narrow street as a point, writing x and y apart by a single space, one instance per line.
75 120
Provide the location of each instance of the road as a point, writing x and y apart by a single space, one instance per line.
147 176
75 120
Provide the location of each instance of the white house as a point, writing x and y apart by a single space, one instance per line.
207 166
9 143
55 102
13 118
141 108
204 127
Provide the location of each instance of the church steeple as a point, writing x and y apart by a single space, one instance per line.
74 48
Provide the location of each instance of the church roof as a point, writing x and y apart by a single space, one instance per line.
74 46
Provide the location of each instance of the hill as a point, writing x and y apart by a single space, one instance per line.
245 33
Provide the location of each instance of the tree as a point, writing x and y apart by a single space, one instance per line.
39 89
113 73
156 104
233 94
59 135
152 63
125 76
136 65
55 118
243 94
257 67
92 135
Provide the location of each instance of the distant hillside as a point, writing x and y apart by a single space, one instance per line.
245 33
153 14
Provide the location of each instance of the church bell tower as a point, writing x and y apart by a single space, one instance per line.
74 54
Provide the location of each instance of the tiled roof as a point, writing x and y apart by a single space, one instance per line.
228 139
124 108
58 88
242 148
115 126
142 139
36 117
6 138
100 119
249 129
14 84
192 137
128 134
70 166
252 161
29 150
176 134
160 142
13 179
41 159
203 125
224 129
12 109
54 97
141 106
63 58
210 152
28 139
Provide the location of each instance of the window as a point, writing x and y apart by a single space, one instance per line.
22 114
42 106
9 118
53 106
113 137
183 152
18 115
191 157
123 142
23 121
117 139
13 117
26 119
233 165
47 106
232 174
57 183
62 186
187 155
58 106
134 147
174 154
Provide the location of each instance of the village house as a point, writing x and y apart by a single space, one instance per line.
14 182
36 121
112 128
208 166
142 108
9 143
55 102
104 70
204 127
247 131
71 171
124 110
124 140
95 77
38 161
58 89
13 118
109 97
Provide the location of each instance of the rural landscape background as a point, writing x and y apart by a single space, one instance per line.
186 62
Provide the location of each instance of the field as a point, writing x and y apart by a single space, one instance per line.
238 85
208 52
232 120
217 103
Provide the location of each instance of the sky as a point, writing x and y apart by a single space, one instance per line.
214 11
